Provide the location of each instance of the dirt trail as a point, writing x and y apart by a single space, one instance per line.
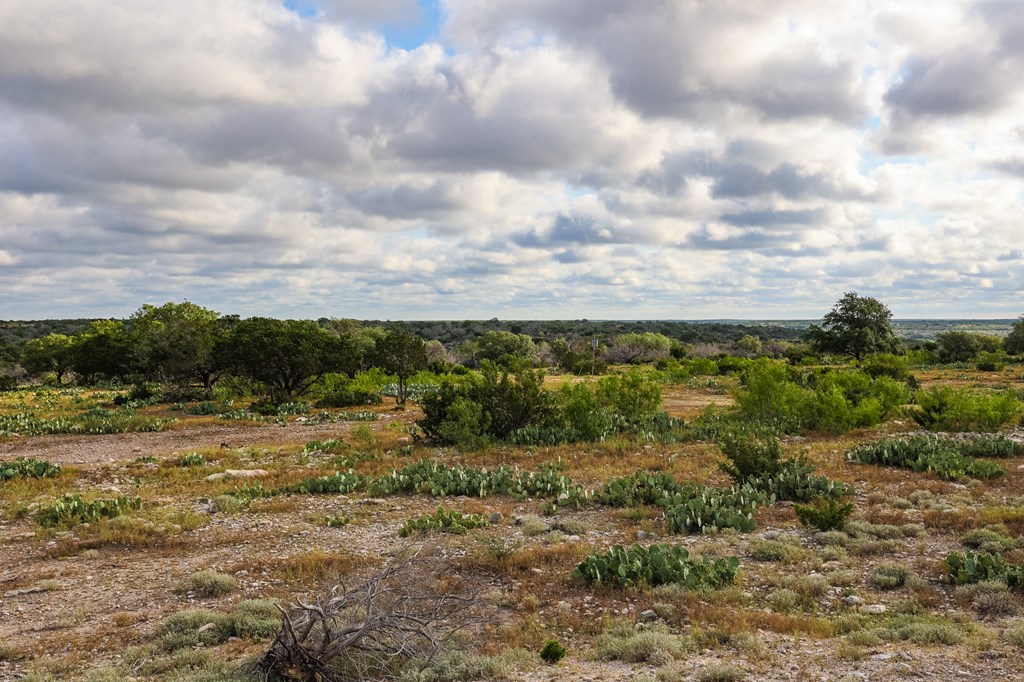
79 449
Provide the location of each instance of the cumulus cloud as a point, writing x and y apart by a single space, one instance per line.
537 159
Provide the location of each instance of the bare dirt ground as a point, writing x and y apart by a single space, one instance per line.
79 449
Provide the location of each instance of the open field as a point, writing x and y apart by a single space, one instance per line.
97 600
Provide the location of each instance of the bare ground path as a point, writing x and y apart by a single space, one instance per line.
80 449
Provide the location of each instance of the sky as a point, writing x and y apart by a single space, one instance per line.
520 159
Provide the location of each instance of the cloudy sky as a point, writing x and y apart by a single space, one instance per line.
511 158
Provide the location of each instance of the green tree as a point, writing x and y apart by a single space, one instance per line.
639 347
499 346
50 353
175 343
102 351
857 326
402 354
1014 341
287 356
957 346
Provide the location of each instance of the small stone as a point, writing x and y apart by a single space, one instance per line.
648 616
853 600
518 521
495 518
641 535
404 440
873 609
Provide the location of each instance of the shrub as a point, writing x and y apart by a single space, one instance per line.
23 467
886 365
890 576
338 390
443 521
824 513
949 409
552 652
989 361
653 644
659 564
751 456
211 583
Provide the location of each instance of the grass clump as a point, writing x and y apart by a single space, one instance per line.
210 583
890 576
777 551
250 619
654 644
720 672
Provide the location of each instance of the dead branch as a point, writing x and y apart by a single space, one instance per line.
367 632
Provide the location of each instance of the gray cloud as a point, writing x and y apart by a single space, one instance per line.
549 158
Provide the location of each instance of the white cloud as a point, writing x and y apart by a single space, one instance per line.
585 158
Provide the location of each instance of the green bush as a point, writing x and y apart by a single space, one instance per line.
659 564
339 390
950 409
552 652
793 400
940 456
23 467
69 510
751 456
991 361
886 365
443 521
824 513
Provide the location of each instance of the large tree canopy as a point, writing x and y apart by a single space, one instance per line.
857 326
288 356
50 353
1014 342
175 342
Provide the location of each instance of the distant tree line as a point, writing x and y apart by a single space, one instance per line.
187 349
